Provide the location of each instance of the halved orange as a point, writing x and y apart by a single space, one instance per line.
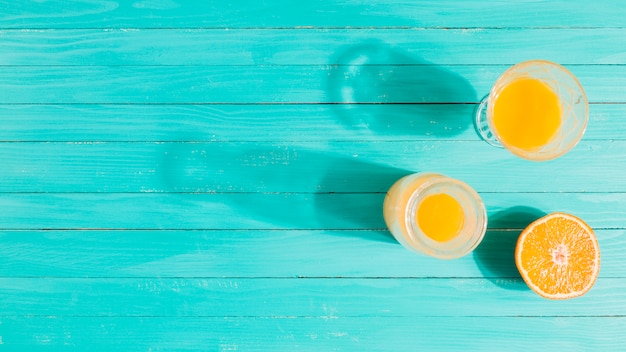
558 256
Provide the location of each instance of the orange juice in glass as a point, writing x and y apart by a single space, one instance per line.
435 215
536 109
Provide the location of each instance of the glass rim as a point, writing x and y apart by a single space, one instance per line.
541 154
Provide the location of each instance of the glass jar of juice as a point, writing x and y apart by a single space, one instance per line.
435 215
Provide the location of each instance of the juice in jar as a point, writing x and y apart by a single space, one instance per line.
440 217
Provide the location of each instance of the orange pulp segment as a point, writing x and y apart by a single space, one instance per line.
558 256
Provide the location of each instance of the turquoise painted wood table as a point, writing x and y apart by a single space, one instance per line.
209 175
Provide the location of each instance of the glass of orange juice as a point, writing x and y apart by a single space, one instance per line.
435 215
536 109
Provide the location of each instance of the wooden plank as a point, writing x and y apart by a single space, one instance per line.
316 122
311 334
275 84
311 46
283 246
282 122
286 254
336 13
361 166
319 297
247 211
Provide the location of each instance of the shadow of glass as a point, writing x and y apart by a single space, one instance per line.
411 96
284 187
495 256
361 210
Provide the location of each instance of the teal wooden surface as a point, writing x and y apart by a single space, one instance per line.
299 84
208 175
296 166
316 333
309 46
262 123
227 254
331 13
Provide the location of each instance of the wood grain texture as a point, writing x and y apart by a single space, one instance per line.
264 253
311 46
310 167
336 13
206 175
275 84
299 297
310 334
303 211
281 123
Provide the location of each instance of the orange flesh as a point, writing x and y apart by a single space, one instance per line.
558 258
440 217
526 114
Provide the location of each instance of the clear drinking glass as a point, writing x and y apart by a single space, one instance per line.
572 100
401 207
